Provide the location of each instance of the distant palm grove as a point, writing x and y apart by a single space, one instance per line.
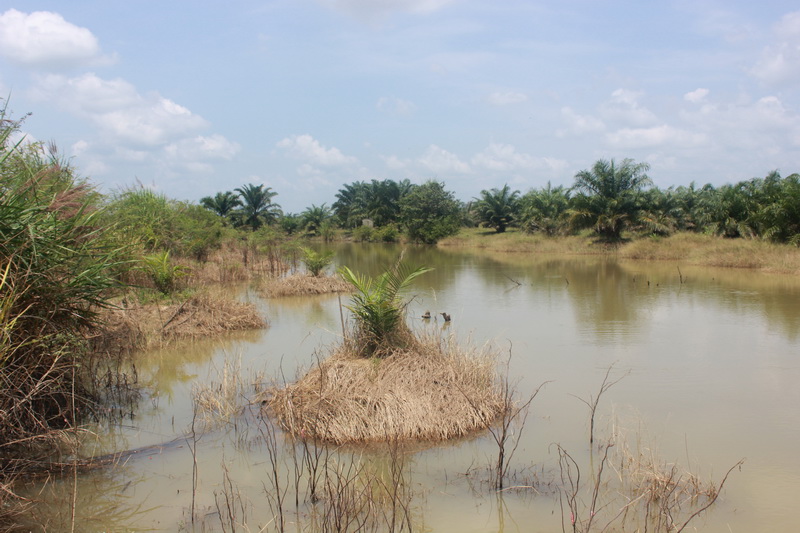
612 200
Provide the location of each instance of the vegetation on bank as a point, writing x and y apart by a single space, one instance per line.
75 270
686 247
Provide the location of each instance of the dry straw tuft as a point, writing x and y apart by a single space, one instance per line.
135 326
433 392
303 284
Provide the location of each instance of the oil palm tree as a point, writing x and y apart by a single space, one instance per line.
257 206
378 306
545 210
608 197
779 216
223 203
497 208
349 206
314 217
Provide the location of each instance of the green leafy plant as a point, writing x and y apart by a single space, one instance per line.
378 307
316 262
163 272
363 234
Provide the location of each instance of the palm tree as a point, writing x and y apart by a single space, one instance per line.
223 203
497 208
727 212
378 307
608 198
662 213
350 204
314 217
779 215
545 210
257 206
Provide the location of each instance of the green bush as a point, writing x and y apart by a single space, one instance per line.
155 223
387 233
363 234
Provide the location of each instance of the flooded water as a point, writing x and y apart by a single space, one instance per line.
708 363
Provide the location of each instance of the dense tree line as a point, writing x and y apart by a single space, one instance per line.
611 200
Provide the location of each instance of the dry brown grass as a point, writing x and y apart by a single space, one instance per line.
304 284
706 250
688 248
233 263
133 326
514 240
433 392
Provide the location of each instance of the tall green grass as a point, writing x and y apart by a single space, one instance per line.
56 263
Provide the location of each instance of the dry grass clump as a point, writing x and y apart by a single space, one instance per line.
133 326
434 391
304 284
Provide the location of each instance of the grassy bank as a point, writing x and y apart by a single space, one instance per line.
688 248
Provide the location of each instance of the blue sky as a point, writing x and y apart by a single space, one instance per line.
192 98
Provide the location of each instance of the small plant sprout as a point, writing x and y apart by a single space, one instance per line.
316 262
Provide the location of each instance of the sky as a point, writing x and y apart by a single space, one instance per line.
304 96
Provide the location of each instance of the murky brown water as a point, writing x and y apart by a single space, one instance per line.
713 364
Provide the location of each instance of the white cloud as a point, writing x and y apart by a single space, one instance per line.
780 61
45 39
395 106
624 107
202 148
439 160
500 98
308 148
747 125
395 163
376 9
657 136
504 157
578 124
119 110
696 96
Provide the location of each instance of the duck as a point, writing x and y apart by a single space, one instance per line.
445 316
427 315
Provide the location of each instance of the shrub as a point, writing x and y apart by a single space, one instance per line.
363 234
387 233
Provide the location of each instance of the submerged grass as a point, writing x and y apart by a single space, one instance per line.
434 391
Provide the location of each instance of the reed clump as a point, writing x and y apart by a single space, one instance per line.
304 285
433 391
